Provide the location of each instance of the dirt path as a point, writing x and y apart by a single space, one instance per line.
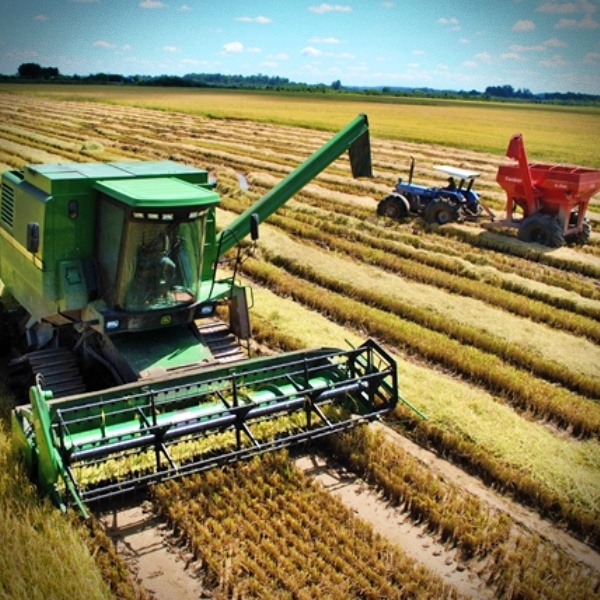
147 545
519 514
394 525
167 569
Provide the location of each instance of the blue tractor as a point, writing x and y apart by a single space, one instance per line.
455 202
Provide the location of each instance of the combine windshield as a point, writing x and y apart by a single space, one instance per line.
161 261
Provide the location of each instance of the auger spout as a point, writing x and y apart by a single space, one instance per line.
354 137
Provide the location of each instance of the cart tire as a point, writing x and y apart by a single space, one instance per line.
442 211
393 207
542 229
581 238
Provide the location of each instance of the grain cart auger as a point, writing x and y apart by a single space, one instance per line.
547 203
108 278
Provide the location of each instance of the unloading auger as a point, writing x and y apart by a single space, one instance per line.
110 294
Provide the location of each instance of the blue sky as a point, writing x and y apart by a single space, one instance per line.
453 44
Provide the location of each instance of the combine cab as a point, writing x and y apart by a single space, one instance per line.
547 203
110 290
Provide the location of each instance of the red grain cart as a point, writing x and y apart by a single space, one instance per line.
553 199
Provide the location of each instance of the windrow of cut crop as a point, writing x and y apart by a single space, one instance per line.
513 353
452 274
263 529
530 568
446 509
528 251
515 385
498 473
435 270
469 455
503 255
525 566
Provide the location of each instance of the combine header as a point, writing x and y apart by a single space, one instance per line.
110 291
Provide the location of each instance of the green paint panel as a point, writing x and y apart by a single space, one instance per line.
158 193
167 348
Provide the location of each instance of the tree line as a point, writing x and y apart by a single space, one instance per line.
33 72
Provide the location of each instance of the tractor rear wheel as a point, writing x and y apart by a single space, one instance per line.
442 211
542 229
392 207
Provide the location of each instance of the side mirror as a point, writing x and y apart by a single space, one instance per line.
33 237
254 221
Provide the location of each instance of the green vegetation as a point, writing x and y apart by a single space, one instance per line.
552 133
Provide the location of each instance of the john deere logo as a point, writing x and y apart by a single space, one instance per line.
166 320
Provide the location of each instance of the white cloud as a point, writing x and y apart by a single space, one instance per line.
586 23
184 8
555 61
591 58
238 48
261 20
151 4
511 56
127 47
324 8
310 51
470 64
387 4
325 40
418 52
521 48
557 7
524 25
103 44
346 56
280 56
41 17
464 41
554 43
564 8
170 48
484 57
413 65
84 1
233 48
269 64
450 21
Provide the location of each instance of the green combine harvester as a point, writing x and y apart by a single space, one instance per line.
111 280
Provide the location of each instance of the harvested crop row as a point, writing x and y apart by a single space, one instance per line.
261 527
534 395
460 447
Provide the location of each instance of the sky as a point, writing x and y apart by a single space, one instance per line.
544 46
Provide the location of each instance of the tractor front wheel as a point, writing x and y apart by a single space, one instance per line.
542 229
392 207
442 211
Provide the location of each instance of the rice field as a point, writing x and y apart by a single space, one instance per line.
497 342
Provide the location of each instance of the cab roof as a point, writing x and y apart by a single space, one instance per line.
157 193
456 172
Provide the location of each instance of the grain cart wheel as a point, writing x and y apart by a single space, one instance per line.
542 229
442 211
393 207
583 237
